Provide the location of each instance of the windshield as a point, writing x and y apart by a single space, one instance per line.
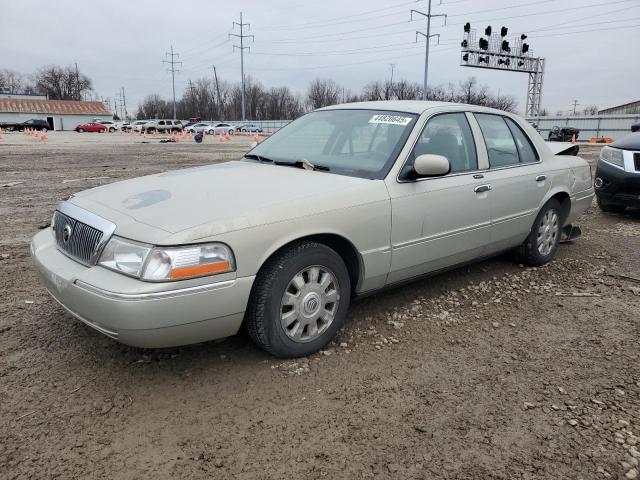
359 143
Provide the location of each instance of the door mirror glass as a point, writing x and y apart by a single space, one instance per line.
431 165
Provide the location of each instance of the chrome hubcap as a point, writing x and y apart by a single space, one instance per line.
309 303
548 232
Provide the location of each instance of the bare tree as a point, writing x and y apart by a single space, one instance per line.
62 83
323 92
13 81
405 90
590 110
154 106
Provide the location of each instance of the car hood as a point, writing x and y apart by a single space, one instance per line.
201 202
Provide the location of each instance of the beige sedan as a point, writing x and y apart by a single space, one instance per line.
342 202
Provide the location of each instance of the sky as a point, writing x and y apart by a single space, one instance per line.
590 46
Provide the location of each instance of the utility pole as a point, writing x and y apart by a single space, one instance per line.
215 75
124 104
392 66
428 37
242 48
575 104
77 83
173 71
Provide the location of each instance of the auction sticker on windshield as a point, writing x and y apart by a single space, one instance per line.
390 119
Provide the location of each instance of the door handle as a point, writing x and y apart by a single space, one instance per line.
482 188
541 178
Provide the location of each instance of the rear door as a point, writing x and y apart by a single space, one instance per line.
440 221
518 185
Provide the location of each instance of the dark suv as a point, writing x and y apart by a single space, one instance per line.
617 182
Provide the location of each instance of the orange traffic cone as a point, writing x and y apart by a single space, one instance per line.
222 139
35 133
1 132
573 139
43 135
256 137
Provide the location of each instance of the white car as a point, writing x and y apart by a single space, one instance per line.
218 128
113 126
137 126
342 202
198 127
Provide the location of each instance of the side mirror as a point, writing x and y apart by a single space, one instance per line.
430 165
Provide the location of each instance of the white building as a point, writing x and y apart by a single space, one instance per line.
61 114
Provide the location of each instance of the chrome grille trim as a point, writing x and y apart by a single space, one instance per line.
89 233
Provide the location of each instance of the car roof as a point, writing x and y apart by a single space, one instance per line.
408 106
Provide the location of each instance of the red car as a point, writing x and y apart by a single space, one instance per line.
92 127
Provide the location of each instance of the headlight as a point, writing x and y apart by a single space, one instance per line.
613 156
124 256
157 264
177 263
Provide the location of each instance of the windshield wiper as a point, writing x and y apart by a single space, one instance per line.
306 164
260 158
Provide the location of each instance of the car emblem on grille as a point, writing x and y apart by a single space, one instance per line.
66 233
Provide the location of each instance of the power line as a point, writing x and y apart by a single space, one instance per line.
339 20
242 48
172 61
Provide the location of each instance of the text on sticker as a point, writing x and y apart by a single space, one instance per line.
390 119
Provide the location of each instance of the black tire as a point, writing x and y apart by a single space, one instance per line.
529 253
81 130
262 319
609 207
111 130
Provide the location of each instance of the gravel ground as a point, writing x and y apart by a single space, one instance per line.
489 371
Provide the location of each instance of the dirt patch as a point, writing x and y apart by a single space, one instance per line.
483 372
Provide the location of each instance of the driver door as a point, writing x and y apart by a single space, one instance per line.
438 222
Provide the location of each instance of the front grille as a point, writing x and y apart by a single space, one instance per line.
76 239
636 161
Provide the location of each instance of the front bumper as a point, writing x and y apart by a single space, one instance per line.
139 313
620 187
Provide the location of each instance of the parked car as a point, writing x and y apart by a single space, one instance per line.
617 182
218 128
92 127
635 127
198 127
162 126
113 126
563 134
352 199
136 126
33 123
251 128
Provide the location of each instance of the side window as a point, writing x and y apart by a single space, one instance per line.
449 135
497 136
161 122
525 148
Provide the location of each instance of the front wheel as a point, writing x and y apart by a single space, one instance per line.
299 300
81 130
542 243
111 130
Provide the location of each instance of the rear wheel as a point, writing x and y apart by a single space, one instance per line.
299 300
81 130
542 243
111 129
609 207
